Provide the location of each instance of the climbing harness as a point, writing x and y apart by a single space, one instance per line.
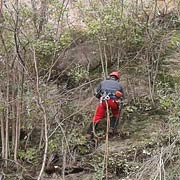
105 97
110 94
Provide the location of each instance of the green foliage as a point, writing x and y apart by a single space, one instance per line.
75 138
118 30
25 12
115 24
30 154
175 40
167 81
53 144
9 43
57 7
170 101
44 48
98 165
131 109
79 73
173 171
66 39
94 27
78 142
99 173
7 18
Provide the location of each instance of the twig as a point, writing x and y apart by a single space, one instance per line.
157 160
106 155
40 103
3 159
64 135
59 124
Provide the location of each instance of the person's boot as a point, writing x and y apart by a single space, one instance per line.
111 131
88 136
113 126
90 132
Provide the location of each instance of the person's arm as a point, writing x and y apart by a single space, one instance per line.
97 93
122 90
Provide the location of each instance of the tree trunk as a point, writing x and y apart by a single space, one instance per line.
1 12
17 128
13 105
43 10
7 114
2 135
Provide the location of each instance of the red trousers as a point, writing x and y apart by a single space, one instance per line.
101 110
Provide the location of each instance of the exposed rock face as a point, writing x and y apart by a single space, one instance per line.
85 54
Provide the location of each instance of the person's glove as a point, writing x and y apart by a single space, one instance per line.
121 102
97 95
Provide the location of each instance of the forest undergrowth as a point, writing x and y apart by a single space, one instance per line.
49 69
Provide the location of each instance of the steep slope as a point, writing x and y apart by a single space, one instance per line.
149 133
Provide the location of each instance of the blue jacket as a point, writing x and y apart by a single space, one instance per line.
109 85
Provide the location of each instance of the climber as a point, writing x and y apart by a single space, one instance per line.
110 93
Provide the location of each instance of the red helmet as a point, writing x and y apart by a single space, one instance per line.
116 74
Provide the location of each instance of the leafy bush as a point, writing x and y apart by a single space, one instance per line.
175 41
28 155
79 73
170 101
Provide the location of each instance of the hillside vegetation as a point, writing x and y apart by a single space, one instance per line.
49 69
